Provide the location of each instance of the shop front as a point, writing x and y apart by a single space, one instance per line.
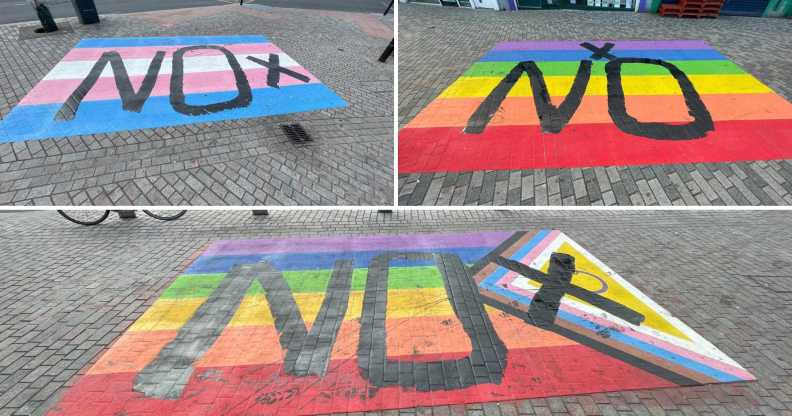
623 5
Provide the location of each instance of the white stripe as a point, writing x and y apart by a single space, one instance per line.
139 66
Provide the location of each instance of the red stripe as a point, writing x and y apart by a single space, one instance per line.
446 149
530 373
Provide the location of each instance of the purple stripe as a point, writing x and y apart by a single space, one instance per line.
563 45
356 243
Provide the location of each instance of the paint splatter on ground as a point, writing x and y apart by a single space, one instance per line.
342 324
566 104
113 84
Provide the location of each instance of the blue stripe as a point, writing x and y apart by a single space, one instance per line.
325 260
623 338
169 41
500 271
664 54
535 240
27 122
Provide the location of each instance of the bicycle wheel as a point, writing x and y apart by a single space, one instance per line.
85 217
165 215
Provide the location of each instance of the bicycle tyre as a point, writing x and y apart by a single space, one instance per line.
81 222
165 217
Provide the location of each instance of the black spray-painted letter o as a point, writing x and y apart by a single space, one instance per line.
702 121
177 100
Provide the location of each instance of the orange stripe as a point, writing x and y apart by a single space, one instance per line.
132 352
244 345
515 333
258 344
422 335
454 112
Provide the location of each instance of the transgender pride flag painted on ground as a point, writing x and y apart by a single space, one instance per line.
113 84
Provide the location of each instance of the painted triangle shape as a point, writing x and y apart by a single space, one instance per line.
655 341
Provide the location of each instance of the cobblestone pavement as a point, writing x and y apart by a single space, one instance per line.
69 291
235 162
436 45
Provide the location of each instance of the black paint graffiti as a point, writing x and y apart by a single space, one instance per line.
599 53
130 100
308 353
134 101
544 307
277 396
557 283
553 120
487 360
177 99
167 376
702 121
274 70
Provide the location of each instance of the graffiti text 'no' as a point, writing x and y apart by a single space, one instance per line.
134 100
552 119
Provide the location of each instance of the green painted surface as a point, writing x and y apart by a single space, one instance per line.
569 68
307 281
655 5
778 8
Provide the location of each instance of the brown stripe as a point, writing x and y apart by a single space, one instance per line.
491 267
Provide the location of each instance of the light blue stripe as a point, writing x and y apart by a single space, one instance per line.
664 54
27 122
535 240
169 41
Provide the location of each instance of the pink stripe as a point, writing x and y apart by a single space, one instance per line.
57 91
130 52
648 339
530 256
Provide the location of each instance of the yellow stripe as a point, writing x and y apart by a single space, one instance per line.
172 314
558 86
167 314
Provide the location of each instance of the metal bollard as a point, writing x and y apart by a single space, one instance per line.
387 52
45 17
86 11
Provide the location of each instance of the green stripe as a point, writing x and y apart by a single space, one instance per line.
570 68
307 281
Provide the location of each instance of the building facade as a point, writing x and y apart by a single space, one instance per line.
757 8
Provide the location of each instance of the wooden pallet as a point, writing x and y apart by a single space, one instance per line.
692 8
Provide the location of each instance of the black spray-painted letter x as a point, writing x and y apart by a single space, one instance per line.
273 75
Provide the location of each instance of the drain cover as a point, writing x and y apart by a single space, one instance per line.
296 133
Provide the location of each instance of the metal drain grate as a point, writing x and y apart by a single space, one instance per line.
296 132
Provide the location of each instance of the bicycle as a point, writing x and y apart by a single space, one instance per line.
96 217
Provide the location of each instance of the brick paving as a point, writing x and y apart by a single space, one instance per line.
69 291
234 162
436 45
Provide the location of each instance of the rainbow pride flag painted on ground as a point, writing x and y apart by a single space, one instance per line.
356 323
737 116
104 85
